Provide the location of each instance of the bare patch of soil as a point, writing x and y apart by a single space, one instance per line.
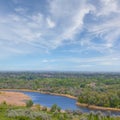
13 98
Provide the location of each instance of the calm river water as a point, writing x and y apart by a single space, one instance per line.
63 102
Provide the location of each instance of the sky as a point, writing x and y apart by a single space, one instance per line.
60 35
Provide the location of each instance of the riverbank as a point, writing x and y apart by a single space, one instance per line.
57 94
72 97
98 107
13 98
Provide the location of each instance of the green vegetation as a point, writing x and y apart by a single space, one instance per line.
8 112
101 89
29 103
55 108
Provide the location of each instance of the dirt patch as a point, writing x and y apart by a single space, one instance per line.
13 98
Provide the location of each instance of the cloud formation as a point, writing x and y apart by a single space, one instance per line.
85 24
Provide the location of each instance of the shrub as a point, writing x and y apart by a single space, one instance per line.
4 103
55 108
29 103
44 108
38 107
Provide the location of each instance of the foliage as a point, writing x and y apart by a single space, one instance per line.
55 108
29 103
8 112
44 108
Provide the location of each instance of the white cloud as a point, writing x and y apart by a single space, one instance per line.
108 7
105 27
67 17
25 31
111 60
51 24
45 61
20 10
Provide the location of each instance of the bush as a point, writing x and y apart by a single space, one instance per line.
38 107
44 108
29 103
4 103
28 114
55 108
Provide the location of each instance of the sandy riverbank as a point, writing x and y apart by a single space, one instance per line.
13 98
98 107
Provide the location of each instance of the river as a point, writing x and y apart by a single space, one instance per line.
64 102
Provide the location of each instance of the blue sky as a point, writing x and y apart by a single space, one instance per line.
63 35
